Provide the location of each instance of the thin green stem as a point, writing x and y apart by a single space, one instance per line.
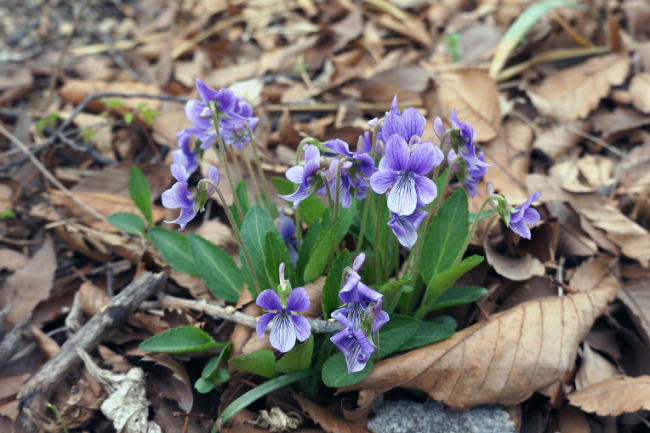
224 160
472 229
338 188
256 187
58 416
387 241
265 185
240 241
366 205
329 194
300 146
233 155
376 245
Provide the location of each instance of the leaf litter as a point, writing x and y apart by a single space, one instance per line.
550 114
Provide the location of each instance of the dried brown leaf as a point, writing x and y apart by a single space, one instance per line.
327 420
640 91
474 95
594 368
636 298
499 361
614 396
11 260
558 140
514 268
29 285
572 93
572 420
590 273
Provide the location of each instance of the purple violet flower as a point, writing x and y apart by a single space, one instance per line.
470 176
232 112
183 155
355 347
286 326
406 227
409 125
178 196
403 169
287 229
305 177
353 289
360 321
524 216
467 137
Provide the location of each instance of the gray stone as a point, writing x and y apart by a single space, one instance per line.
429 417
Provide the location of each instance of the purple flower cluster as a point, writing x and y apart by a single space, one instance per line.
283 309
403 170
233 113
462 140
361 317
355 171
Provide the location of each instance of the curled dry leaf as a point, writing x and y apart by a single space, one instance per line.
327 420
514 268
499 361
572 93
614 396
560 139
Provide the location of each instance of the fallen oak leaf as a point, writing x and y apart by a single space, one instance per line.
499 361
614 396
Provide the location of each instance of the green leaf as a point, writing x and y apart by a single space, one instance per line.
112 104
520 27
127 222
261 362
427 333
310 209
184 339
242 195
304 253
140 193
442 281
446 320
253 231
458 296
203 385
175 247
484 214
298 358
212 365
128 117
218 270
335 372
275 252
334 282
446 235
150 115
394 333
261 390
320 254
392 291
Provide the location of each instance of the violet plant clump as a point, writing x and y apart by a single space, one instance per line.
391 204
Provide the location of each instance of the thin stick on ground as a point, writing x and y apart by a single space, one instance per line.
49 176
317 326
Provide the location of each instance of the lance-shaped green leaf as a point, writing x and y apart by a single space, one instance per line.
394 333
298 358
334 282
184 339
320 253
175 247
445 236
218 270
458 296
261 362
253 231
427 333
140 193
276 253
127 222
